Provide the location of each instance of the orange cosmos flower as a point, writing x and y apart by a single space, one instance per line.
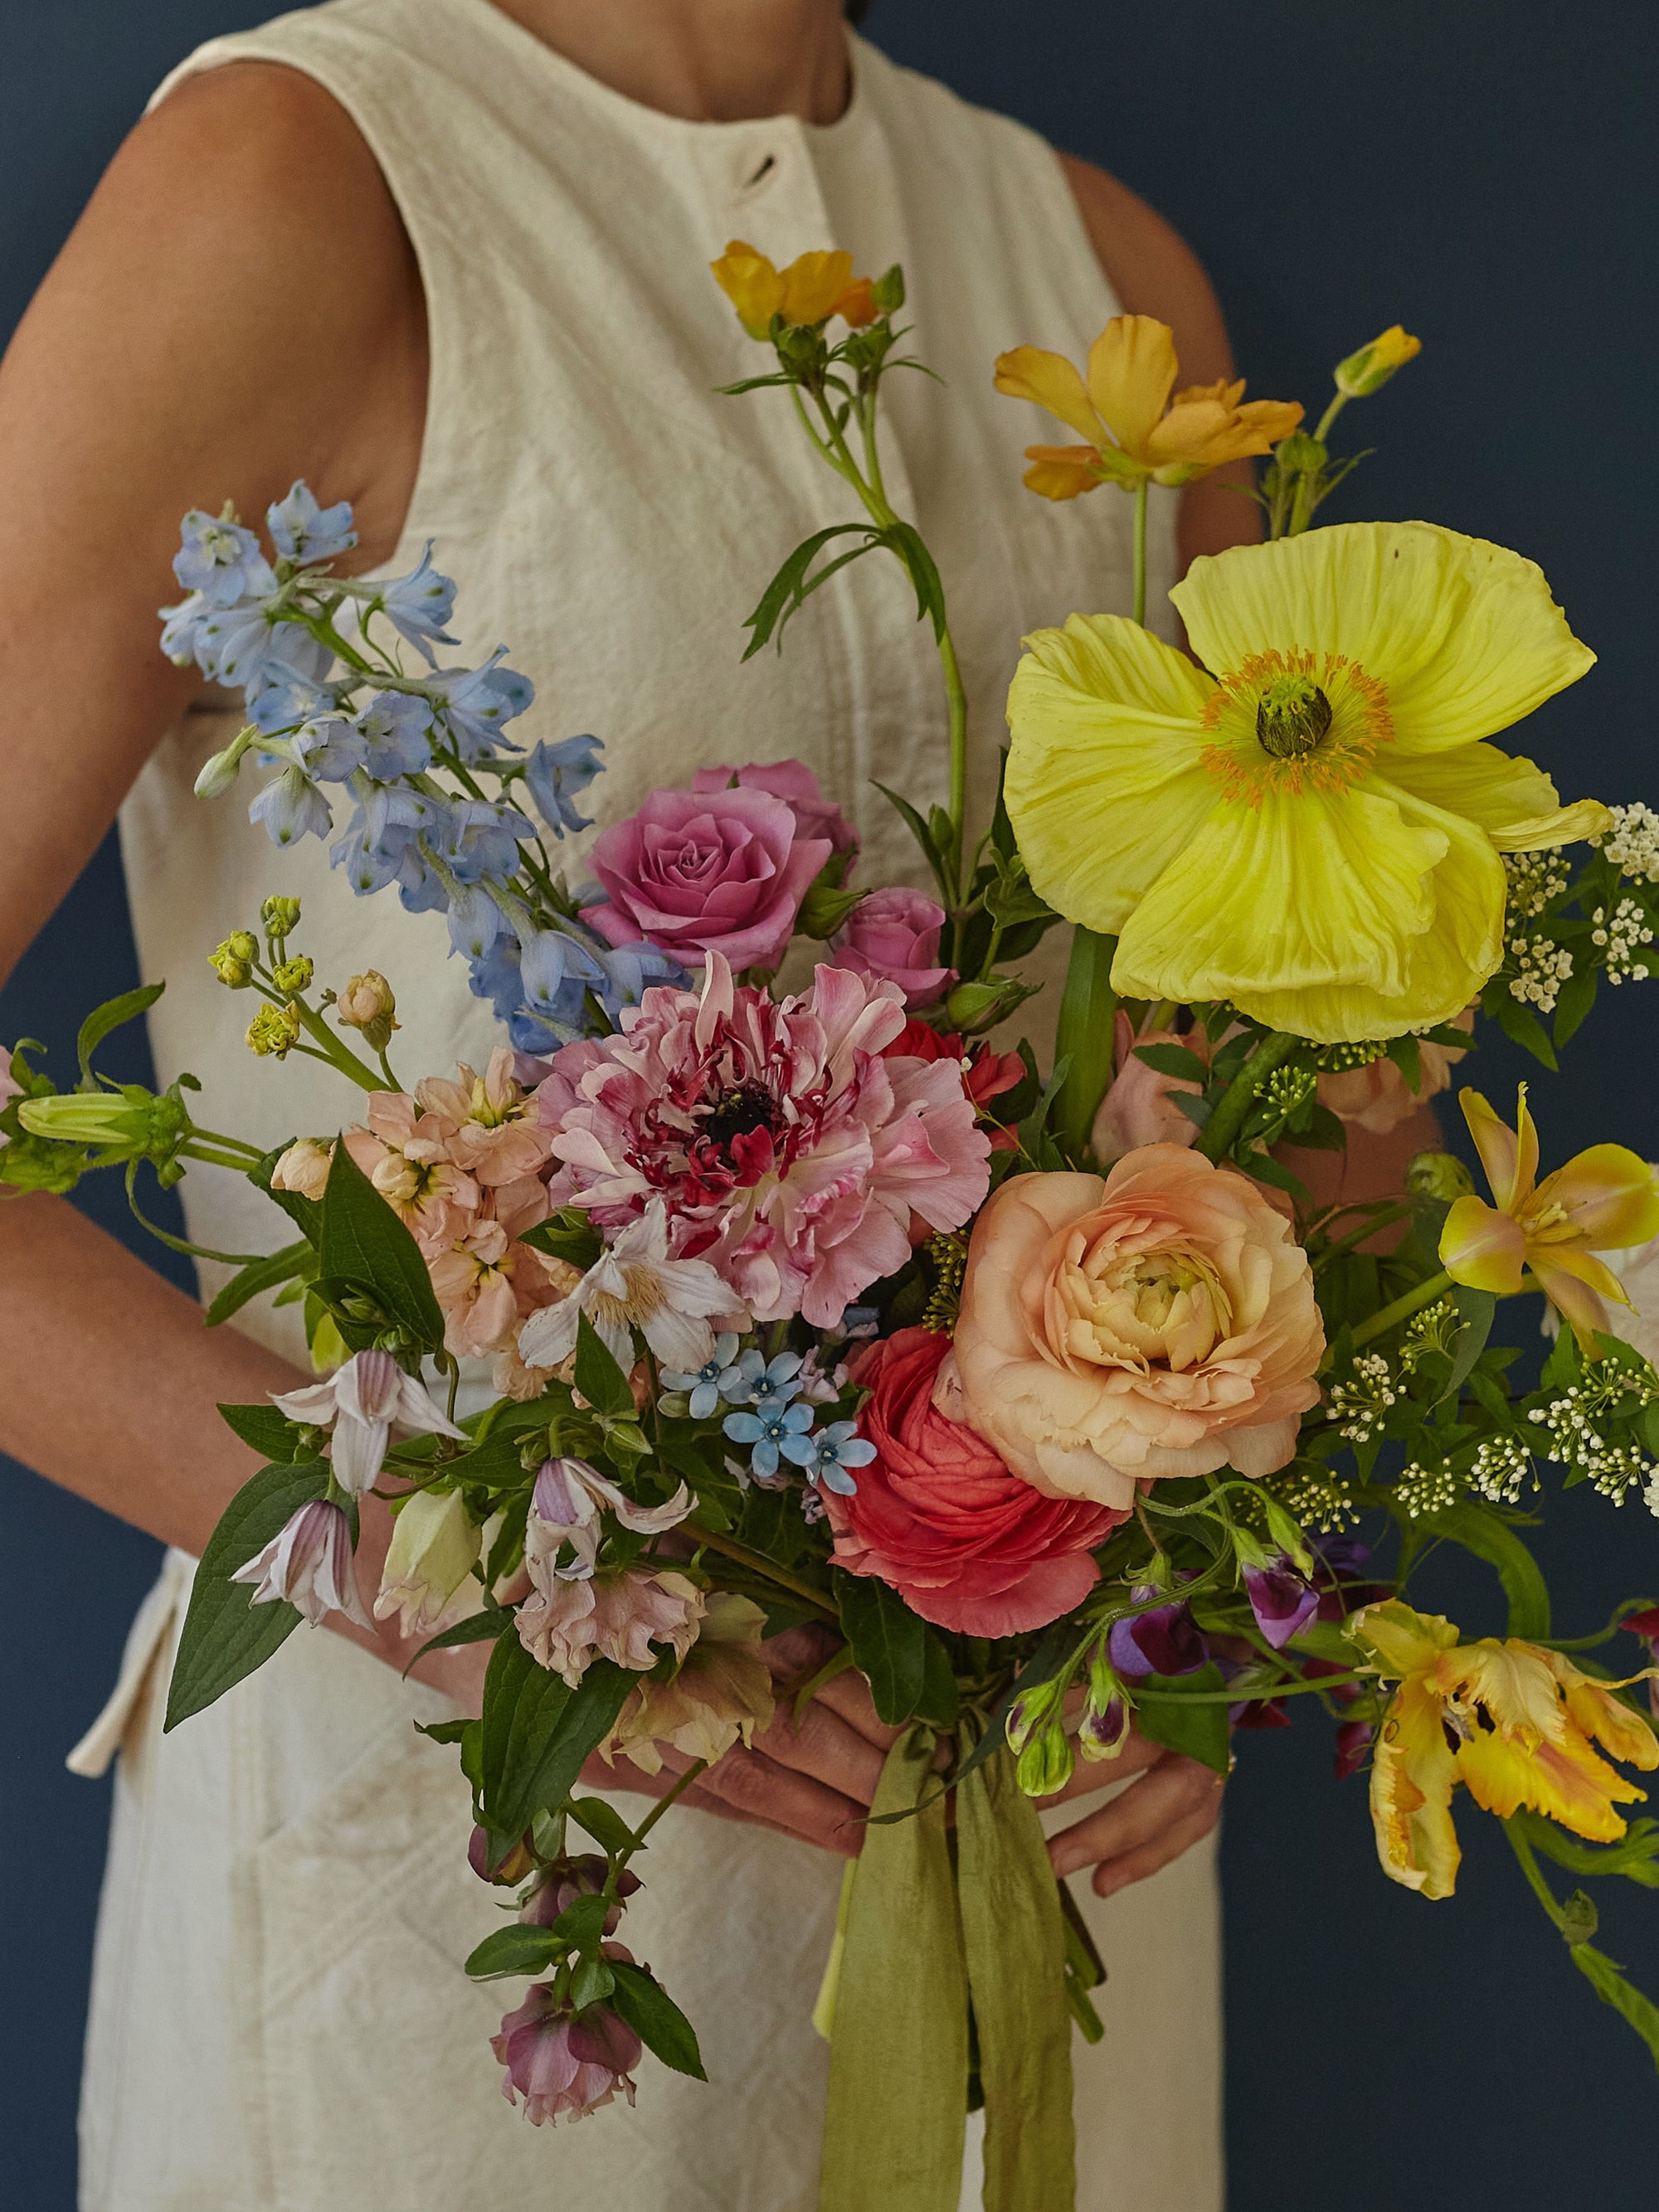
1134 429
1605 1198
814 287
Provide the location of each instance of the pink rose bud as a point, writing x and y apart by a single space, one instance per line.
893 935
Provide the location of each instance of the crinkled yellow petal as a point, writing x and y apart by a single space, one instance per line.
1610 1193
1051 381
1566 1780
1132 372
1509 1156
1405 1640
1061 471
1103 785
1464 635
1480 782
1626 1734
1482 1247
1540 833
1412 1775
751 284
813 284
1511 1679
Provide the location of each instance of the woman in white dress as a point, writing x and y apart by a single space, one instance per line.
448 260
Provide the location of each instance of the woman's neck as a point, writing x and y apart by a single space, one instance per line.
707 61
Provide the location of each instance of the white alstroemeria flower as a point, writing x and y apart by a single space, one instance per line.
634 1285
366 1404
309 1563
565 1509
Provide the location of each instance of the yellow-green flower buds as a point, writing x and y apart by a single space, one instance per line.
1369 369
230 967
294 975
368 1003
215 776
1046 1763
129 1122
280 916
1438 1175
273 1032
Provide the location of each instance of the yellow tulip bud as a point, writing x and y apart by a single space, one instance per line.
1369 369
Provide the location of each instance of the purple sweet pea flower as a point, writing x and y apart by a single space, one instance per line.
1281 1599
1165 1641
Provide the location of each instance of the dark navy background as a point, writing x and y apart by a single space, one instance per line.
1484 173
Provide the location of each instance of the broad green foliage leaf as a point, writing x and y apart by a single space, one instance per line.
537 1733
772 1524
293 1261
661 2026
363 1241
1174 1059
476 1628
890 1642
1610 1985
1477 1309
1480 1530
226 1636
603 1822
266 1430
113 1014
514 1950
599 1377
568 1236
1167 1711
940 1701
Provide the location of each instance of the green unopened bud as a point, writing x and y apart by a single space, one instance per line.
294 975
273 1032
1301 453
974 1006
1286 1532
1438 1175
888 291
280 916
1029 1711
131 1123
1046 1763
1369 369
368 1003
234 973
215 776
824 909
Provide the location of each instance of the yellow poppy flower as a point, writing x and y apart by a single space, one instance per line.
1134 429
1313 830
1513 1723
1604 1199
814 287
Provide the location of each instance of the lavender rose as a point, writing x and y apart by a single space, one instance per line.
699 873
893 935
794 783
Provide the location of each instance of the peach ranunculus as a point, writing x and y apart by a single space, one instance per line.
1159 1323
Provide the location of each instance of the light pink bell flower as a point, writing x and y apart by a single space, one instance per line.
365 1404
565 2066
309 1563
566 1625
569 1499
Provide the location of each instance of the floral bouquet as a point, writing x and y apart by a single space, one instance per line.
1058 1392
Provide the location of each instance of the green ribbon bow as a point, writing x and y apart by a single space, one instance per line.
919 1941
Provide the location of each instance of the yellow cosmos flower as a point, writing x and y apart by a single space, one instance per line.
1134 429
1605 1198
1312 830
814 287
1516 1724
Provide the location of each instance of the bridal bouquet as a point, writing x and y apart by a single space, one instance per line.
1058 1392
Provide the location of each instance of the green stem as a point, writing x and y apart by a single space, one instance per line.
1322 434
1140 550
1541 1888
767 1569
956 701
340 1055
1402 1309
1385 1219
697 1767
1216 1138
1086 1037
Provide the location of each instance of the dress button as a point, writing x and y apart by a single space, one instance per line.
757 168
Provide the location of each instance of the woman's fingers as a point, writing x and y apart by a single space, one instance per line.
756 1788
1175 1802
1090 1775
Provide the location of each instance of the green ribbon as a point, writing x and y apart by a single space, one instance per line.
918 1938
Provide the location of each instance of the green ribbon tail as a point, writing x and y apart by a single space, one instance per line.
1014 1934
898 2064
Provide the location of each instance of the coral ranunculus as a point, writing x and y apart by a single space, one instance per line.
1159 1323
938 1518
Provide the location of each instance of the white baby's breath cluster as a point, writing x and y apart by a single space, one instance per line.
1501 1466
1361 1402
1541 968
1572 1422
1422 1492
1622 934
1631 844
1534 879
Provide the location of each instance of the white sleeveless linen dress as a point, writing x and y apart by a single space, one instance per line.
279 2018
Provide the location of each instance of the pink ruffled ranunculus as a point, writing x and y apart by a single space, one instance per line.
699 873
1160 1322
893 935
794 783
936 1515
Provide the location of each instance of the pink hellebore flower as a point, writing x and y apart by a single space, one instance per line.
565 2066
893 935
565 1626
309 1563
722 872
794 783
634 1285
1606 1198
566 1507
365 1404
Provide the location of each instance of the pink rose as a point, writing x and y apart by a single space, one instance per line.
1139 1107
695 874
893 935
1160 1322
938 1518
793 782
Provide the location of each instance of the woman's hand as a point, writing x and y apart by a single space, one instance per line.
1174 1803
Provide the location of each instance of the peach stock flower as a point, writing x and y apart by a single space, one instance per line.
1159 1323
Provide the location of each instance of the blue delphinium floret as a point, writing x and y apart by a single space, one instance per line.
302 530
555 775
475 923
291 807
481 839
397 733
704 1386
829 1454
473 703
419 604
329 748
221 559
769 1429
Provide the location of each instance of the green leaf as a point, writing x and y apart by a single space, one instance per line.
569 1235
599 1377
476 1628
889 1643
1578 996
538 1731
940 1701
791 586
1636 1855
226 1636
112 1015
603 1823
1477 1309
1610 1985
1516 1022
1480 1531
907 542
923 836
582 1924
444 1731
591 1980
640 2000
270 1433
772 1524
1174 1059
1183 1723
363 1241
306 1213
514 1950
260 1275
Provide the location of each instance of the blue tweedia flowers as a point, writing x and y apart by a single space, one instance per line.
330 704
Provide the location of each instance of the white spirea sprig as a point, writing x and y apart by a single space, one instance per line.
1622 934
1361 1403
1423 1491
1633 843
1501 1466
1542 967
1534 879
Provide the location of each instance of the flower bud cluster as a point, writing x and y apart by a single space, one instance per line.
1361 1403
1576 1422
1423 1491
1632 844
1621 934
1500 1467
